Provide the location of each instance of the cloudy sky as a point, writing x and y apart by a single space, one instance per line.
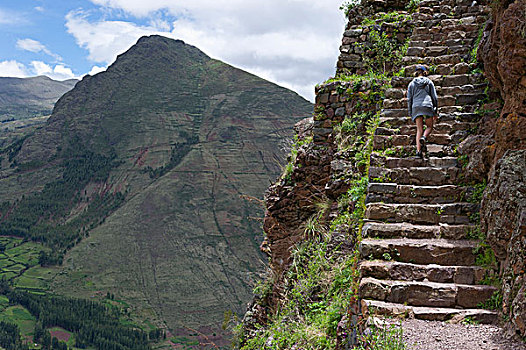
291 42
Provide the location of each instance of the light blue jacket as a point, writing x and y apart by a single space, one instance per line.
421 98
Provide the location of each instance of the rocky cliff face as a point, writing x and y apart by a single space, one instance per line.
503 52
504 221
497 152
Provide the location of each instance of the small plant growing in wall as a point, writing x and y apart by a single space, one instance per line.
347 6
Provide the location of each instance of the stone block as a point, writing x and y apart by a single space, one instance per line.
340 112
461 68
322 98
353 32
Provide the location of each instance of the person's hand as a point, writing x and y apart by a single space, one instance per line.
435 118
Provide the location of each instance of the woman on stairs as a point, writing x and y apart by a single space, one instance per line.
422 103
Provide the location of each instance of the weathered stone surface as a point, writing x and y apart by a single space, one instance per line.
503 51
425 293
421 251
436 51
461 68
503 216
407 230
412 272
456 213
393 193
417 175
428 313
395 162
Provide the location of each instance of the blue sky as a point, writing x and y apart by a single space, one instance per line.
291 42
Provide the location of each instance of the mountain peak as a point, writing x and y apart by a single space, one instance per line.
155 38
156 53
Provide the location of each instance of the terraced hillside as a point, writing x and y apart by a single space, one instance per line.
419 247
148 170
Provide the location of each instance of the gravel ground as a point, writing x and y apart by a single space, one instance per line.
433 335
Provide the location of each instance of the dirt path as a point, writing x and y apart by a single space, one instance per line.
434 335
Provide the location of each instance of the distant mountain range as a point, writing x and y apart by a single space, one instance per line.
152 172
22 98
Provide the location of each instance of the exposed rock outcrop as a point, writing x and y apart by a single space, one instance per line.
504 219
503 51
495 152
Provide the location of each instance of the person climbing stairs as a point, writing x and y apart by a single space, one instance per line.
417 258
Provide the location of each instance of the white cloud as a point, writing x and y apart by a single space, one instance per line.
39 8
96 69
19 70
30 45
13 69
104 40
291 42
41 68
35 46
59 72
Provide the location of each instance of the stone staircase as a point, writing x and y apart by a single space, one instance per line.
416 259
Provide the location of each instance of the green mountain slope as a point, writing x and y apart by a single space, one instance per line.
22 98
149 166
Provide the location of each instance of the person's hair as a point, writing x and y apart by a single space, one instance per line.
420 73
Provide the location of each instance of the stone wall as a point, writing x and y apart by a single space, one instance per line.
356 48
318 169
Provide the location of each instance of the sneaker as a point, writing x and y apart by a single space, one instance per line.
423 146
419 155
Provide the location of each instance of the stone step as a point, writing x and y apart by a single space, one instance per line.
447 213
397 117
463 89
452 11
436 51
378 160
394 118
471 30
398 93
382 142
394 103
428 313
409 61
443 100
419 293
429 51
419 43
426 176
424 20
457 130
457 109
443 81
453 32
433 150
394 193
442 69
433 3
399 271
448 43
407 230
420 251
